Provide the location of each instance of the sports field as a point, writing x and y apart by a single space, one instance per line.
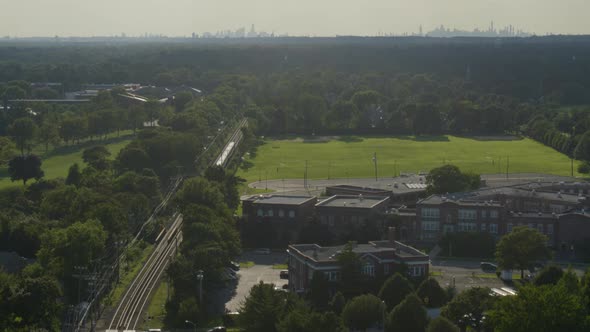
56 163
352 157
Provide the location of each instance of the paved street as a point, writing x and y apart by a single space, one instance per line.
249 277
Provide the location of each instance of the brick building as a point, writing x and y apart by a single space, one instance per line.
378 259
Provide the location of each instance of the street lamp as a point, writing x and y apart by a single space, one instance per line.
193 324
200 279
384 306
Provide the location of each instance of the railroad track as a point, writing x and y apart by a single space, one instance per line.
131 307
230 146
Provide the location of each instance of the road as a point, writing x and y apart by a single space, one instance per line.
296 186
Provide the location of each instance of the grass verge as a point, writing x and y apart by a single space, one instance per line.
157 308
246 265
435 274
128 273
280 266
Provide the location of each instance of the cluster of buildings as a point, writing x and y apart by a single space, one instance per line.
558 209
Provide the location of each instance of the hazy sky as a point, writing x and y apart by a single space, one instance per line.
296 17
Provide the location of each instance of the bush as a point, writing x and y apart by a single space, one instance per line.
584 168
431 294
363 312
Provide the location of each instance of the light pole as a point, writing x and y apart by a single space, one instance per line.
200 279
193 324
384 306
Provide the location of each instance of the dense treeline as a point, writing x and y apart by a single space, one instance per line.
78 225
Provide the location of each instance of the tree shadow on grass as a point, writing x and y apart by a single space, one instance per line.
425 138
350 139
69 149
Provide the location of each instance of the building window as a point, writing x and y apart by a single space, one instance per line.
509 228
430 213
466 226
494 228
467 214
332 275
355 220
260 212
270 213
531 225
281 213
483 214
556 208
483 227
416 271
550 229
494 214
540 227
430 225
369 269
291 214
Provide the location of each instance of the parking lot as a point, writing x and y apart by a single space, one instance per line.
261 271
466 274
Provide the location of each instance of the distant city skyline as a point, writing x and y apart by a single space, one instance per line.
28 18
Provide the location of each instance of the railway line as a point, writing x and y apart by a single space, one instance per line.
231 145
129 312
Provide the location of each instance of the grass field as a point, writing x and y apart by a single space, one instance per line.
351 157
57 162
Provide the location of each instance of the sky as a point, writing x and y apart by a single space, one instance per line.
25 18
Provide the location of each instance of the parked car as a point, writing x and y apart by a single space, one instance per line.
217 329
286 286
284 274
488 267
280 289
262 251
235 266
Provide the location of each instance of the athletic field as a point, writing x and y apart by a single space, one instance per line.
344 157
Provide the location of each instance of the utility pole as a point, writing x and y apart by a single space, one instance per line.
572 162
507 165
375 162
305 176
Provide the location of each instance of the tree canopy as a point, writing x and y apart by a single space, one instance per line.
521 248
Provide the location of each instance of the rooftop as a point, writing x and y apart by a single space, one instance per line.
439 199
349 201
279 199
382 249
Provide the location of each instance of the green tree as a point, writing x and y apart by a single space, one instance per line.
539 308
582 151
262 309
133 159
23 132
431 294
363 312
319 290
441 324
449 179
394 290
408 316
6 150
549 275
473 302
74 175
521 248
350 271
302 319
25 168
97 157
337 303
48 133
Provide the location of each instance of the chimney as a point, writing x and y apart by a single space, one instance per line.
391 235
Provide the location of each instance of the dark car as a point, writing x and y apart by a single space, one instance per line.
286 286
284 274
488 267
217 329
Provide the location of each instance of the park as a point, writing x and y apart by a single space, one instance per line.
352 157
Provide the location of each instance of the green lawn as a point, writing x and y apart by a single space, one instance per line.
57 162
280 266
346 157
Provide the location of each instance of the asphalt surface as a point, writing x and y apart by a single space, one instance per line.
317 186
261 271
